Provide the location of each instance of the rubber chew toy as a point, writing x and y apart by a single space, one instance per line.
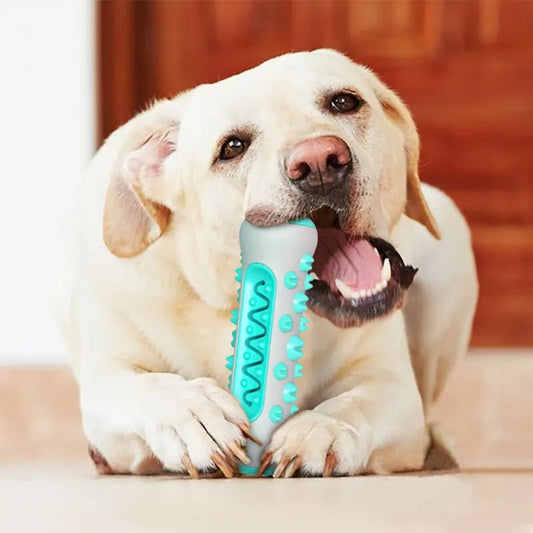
275 262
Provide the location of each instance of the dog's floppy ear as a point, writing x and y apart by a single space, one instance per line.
416 206
133 216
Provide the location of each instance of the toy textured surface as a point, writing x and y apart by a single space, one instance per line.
275 262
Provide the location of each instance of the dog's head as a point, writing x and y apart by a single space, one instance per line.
305 134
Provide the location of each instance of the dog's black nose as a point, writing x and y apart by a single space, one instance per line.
319 164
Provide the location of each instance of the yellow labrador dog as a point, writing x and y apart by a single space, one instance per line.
305 134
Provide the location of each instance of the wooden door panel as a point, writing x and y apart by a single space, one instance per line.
465 68
393 29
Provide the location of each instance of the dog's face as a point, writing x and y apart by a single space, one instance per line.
306 134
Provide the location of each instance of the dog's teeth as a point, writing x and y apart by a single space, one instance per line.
376 252
351 294
313 275
344 289
385 271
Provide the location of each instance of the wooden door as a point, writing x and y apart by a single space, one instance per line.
464 67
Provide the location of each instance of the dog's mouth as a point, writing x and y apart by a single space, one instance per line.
357 278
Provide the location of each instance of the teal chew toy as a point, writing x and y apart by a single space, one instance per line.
274 275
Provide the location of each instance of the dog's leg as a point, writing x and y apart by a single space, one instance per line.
371 420
145 423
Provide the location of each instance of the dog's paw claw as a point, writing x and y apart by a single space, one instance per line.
293 467
223 465
191 469
330 462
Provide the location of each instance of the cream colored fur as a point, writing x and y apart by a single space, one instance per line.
149 313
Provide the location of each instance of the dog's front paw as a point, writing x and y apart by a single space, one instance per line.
194 425
316 444
162 422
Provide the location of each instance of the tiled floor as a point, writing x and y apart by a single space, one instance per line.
47 482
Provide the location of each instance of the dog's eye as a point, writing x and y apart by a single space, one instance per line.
232 148
345 103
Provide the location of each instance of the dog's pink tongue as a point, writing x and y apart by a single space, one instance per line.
350 259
